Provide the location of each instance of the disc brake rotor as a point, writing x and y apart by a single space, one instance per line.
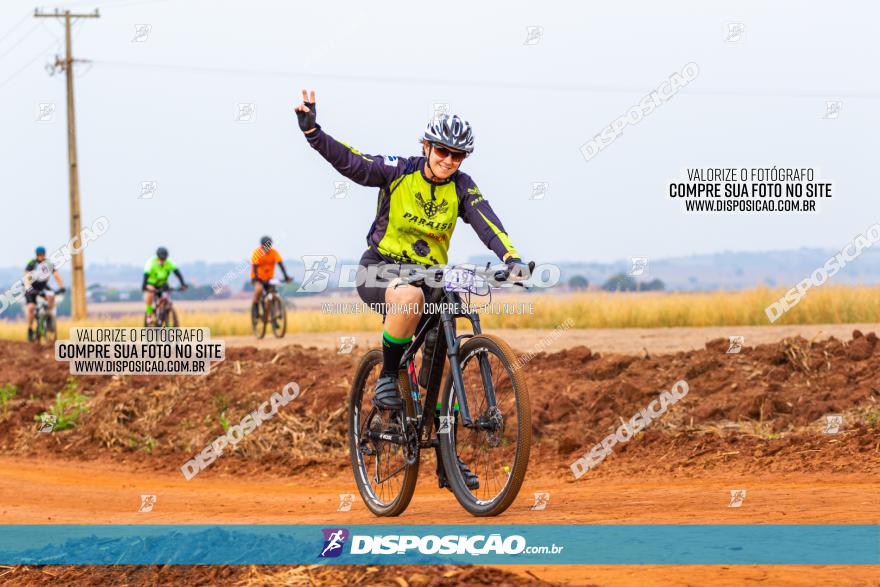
495 429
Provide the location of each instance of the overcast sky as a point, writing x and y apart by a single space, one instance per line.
161 107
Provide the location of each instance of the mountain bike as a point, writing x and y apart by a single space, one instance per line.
164 314
480 414
271 308
46 326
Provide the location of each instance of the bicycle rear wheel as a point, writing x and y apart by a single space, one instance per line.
384 479
279 316
497 447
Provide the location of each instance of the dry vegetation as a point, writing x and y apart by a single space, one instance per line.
826 305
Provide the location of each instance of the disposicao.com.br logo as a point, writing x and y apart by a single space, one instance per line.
453 544
334 539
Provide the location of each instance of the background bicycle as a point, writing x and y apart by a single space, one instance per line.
271 310
164 314
45 325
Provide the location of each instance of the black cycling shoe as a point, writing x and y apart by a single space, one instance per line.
387 395
470 479
30 335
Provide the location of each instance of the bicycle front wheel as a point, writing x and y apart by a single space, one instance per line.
496 445
161 316
40 330
279 317
50 329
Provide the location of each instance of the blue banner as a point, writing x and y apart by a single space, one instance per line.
840 544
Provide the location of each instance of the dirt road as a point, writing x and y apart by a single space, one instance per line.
98 493
62 492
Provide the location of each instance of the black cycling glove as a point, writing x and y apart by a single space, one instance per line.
306 120
520 270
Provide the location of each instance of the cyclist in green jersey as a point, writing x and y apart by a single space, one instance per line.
156 272
420 200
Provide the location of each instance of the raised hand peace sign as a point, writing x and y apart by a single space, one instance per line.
305 113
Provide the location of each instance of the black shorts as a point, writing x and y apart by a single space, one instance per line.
30 296
374 295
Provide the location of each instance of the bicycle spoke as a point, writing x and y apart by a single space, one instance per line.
386 465
490 445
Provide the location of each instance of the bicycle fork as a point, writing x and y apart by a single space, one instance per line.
452 352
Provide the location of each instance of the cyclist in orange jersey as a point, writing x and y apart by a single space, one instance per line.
263 261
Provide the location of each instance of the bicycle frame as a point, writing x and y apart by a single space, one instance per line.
41 312
445 321
270 290
42 308
162 302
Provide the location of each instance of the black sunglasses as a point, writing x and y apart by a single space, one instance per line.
443 153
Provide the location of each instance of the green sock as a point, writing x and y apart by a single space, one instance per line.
392 351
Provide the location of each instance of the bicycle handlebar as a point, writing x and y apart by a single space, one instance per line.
504 274
501 275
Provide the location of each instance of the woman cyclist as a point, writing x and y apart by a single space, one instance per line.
420 199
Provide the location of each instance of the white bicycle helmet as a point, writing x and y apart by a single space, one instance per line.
451 130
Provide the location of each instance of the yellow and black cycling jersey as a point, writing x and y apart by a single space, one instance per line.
415 217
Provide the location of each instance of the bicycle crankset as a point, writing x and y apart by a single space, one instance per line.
411 448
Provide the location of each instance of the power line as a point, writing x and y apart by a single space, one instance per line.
109 4
499 84
25 66
50 31
15 26
56 43
17 43
126 4
76 28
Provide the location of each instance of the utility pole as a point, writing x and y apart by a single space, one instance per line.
78 287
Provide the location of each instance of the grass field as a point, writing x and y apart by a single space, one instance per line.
827 305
